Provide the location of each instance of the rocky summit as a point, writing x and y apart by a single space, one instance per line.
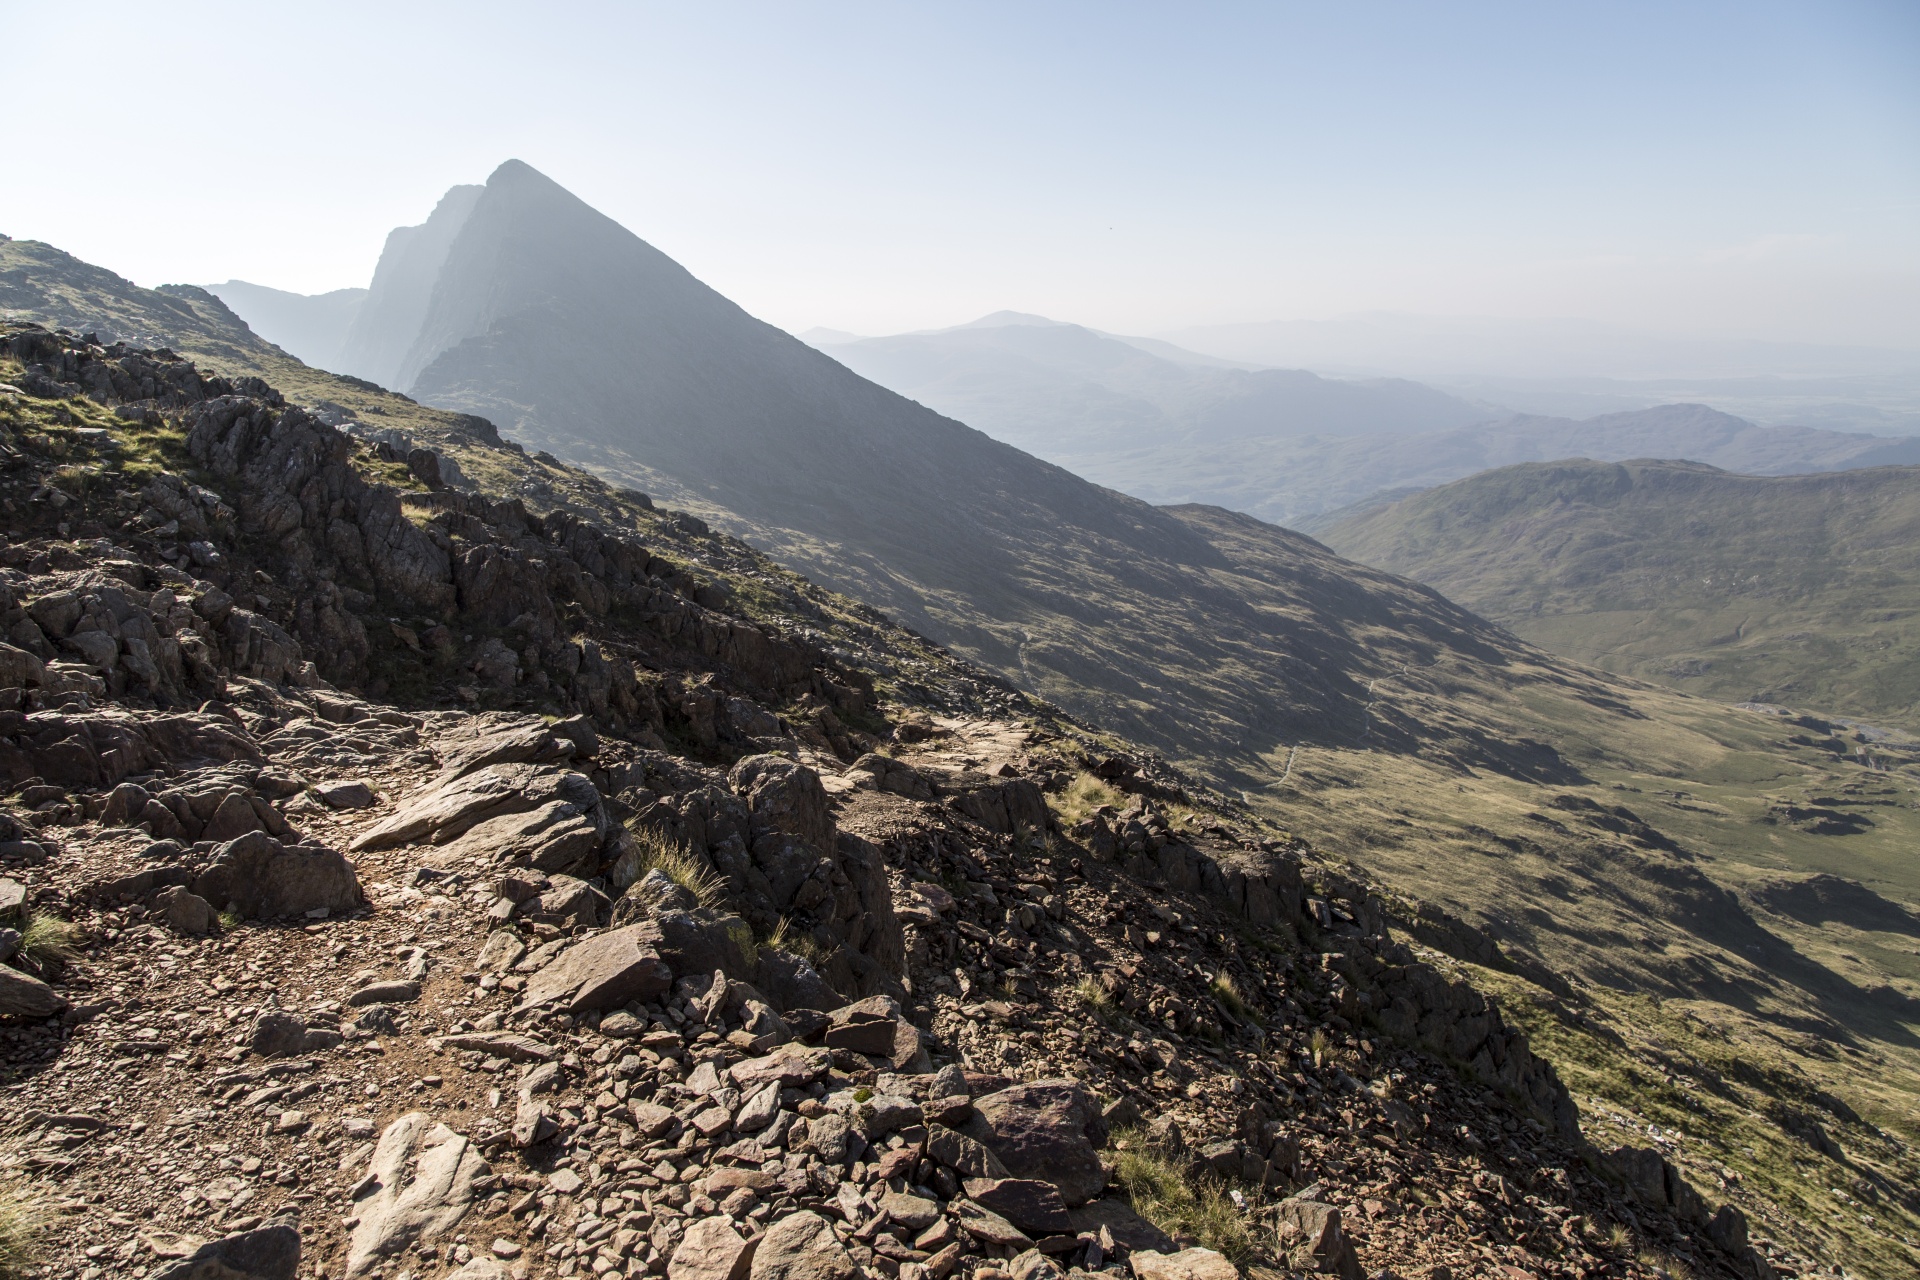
399 882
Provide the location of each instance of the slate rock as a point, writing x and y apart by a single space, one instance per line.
801 1246
1187 1264
605 971
385 993
711 1250
1048 1129
270 1251
344 794
188 912
1027 1203
25 996
261 878
966 1156
424 1176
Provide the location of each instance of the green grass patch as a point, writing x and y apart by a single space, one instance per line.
1156 1184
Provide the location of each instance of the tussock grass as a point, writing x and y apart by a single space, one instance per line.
786 938
1156 1184
1222 988
49 940
675 861
22 1220
1080 797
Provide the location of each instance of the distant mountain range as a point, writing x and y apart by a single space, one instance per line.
1802 590
1285 445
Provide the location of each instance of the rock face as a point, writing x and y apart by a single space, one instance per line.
1048 1130
423 1177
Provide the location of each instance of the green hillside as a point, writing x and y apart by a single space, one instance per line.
1796 590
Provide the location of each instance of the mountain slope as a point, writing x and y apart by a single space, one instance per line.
574 334
312 327
1633 865
1794 589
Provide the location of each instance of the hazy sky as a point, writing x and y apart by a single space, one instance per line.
1743 168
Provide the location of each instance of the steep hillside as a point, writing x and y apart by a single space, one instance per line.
356 938
1650 876
1803 590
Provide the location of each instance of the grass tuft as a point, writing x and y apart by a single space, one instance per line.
1160 1192
1223 989
22 1220
49 940
677 863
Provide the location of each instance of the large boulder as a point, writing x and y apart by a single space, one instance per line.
604 972
260 878
453 807
423 1184
1047 1129
1188 1264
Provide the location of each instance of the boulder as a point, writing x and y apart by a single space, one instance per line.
604 972
964 1155
1316 1242
25 996
915 1213
277 1034
711 1250
801 1246
13 900
1049 1130
344 794
260 878
453 807
791 982
790 1064
1188 1264
423 1175
1128 1229
270 1251
188 912
385 993
1027 1203
703 941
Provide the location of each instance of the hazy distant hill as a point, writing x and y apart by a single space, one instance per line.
312 327
1285 445
1070 394
1802 590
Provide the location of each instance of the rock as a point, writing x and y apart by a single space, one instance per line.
986 1225
711 1250
188 912
532 1123
485 1268
277 1034
964 1155
569 903
704 941
448 810
500 953
759 1110
1027 1203
25 996
1728 1229
503 1044
385 993
950 1081
1127 1228
621 1025
792 982
345 795
828 1136
233 818
13 900
862 1033
424 1174
565 1181
604 972
790 1064
268 1252
1323 1245
883 1113
554 837
650 1119
916 1213
1188 1264
1034 1265
262 879
801 1246
1049 1130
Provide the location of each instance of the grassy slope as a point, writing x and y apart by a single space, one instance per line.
1629 924
1801 590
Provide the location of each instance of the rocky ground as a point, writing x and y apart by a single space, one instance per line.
399 883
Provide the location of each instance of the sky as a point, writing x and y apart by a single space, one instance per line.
1744 169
